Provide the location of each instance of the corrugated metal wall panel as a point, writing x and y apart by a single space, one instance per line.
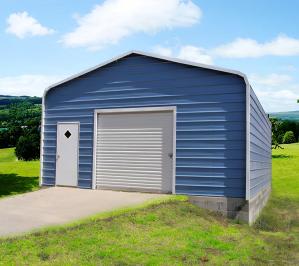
210 118
260 147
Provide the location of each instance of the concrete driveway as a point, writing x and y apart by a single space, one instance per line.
59 205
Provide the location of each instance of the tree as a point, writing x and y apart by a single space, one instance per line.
14 132
27 147
4 138
289 137
276 133
289 125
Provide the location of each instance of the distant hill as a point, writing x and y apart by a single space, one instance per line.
291 115
7 99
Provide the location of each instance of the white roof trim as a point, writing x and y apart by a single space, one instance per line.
170 59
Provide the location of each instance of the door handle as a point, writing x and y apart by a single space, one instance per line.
170 155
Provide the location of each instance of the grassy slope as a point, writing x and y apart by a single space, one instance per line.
282 213
175 233
16 176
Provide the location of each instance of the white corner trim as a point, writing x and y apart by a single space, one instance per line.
137 109
248 88
94 148
129 110
42 144
174 152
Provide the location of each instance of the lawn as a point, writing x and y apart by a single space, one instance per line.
16 176
174 232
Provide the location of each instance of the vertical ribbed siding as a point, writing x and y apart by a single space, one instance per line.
260 147
210 119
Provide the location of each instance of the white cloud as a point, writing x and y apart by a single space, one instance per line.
32 85
277 92
270 80
278 100
23 25
164 51
195 54
282 45
114 20
187 52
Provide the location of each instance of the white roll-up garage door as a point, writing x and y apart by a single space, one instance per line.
134 151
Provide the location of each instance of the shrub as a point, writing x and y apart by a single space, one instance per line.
289 137
27 147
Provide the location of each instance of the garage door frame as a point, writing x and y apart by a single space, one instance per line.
131 110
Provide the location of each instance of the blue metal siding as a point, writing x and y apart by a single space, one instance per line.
260 147
211 123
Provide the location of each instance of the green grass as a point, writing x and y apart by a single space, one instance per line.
174 232
16 176
282 211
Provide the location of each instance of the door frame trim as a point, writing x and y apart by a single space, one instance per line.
131 110
66 122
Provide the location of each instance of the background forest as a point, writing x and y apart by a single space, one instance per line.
20 119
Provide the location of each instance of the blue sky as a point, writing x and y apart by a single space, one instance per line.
42 42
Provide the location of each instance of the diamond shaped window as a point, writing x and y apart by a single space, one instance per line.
67 134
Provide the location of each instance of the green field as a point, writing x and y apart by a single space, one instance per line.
16 176
172 232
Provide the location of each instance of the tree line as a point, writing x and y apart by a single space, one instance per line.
284 132
20 128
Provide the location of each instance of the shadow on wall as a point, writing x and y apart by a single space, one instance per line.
11 184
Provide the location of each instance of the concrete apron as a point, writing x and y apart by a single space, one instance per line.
59 205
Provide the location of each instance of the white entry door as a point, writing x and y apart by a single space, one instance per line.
135 151
67 154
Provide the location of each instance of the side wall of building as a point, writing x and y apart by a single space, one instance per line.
211 119
260 157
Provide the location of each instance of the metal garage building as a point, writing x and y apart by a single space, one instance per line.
142 122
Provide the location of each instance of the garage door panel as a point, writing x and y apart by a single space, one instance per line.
128 154
131 187
131 181
112 175
144 165
128 159
122 178
131 138
130 171
133 151
130 141
130 147
141 133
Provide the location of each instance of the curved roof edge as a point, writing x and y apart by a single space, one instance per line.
170 59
